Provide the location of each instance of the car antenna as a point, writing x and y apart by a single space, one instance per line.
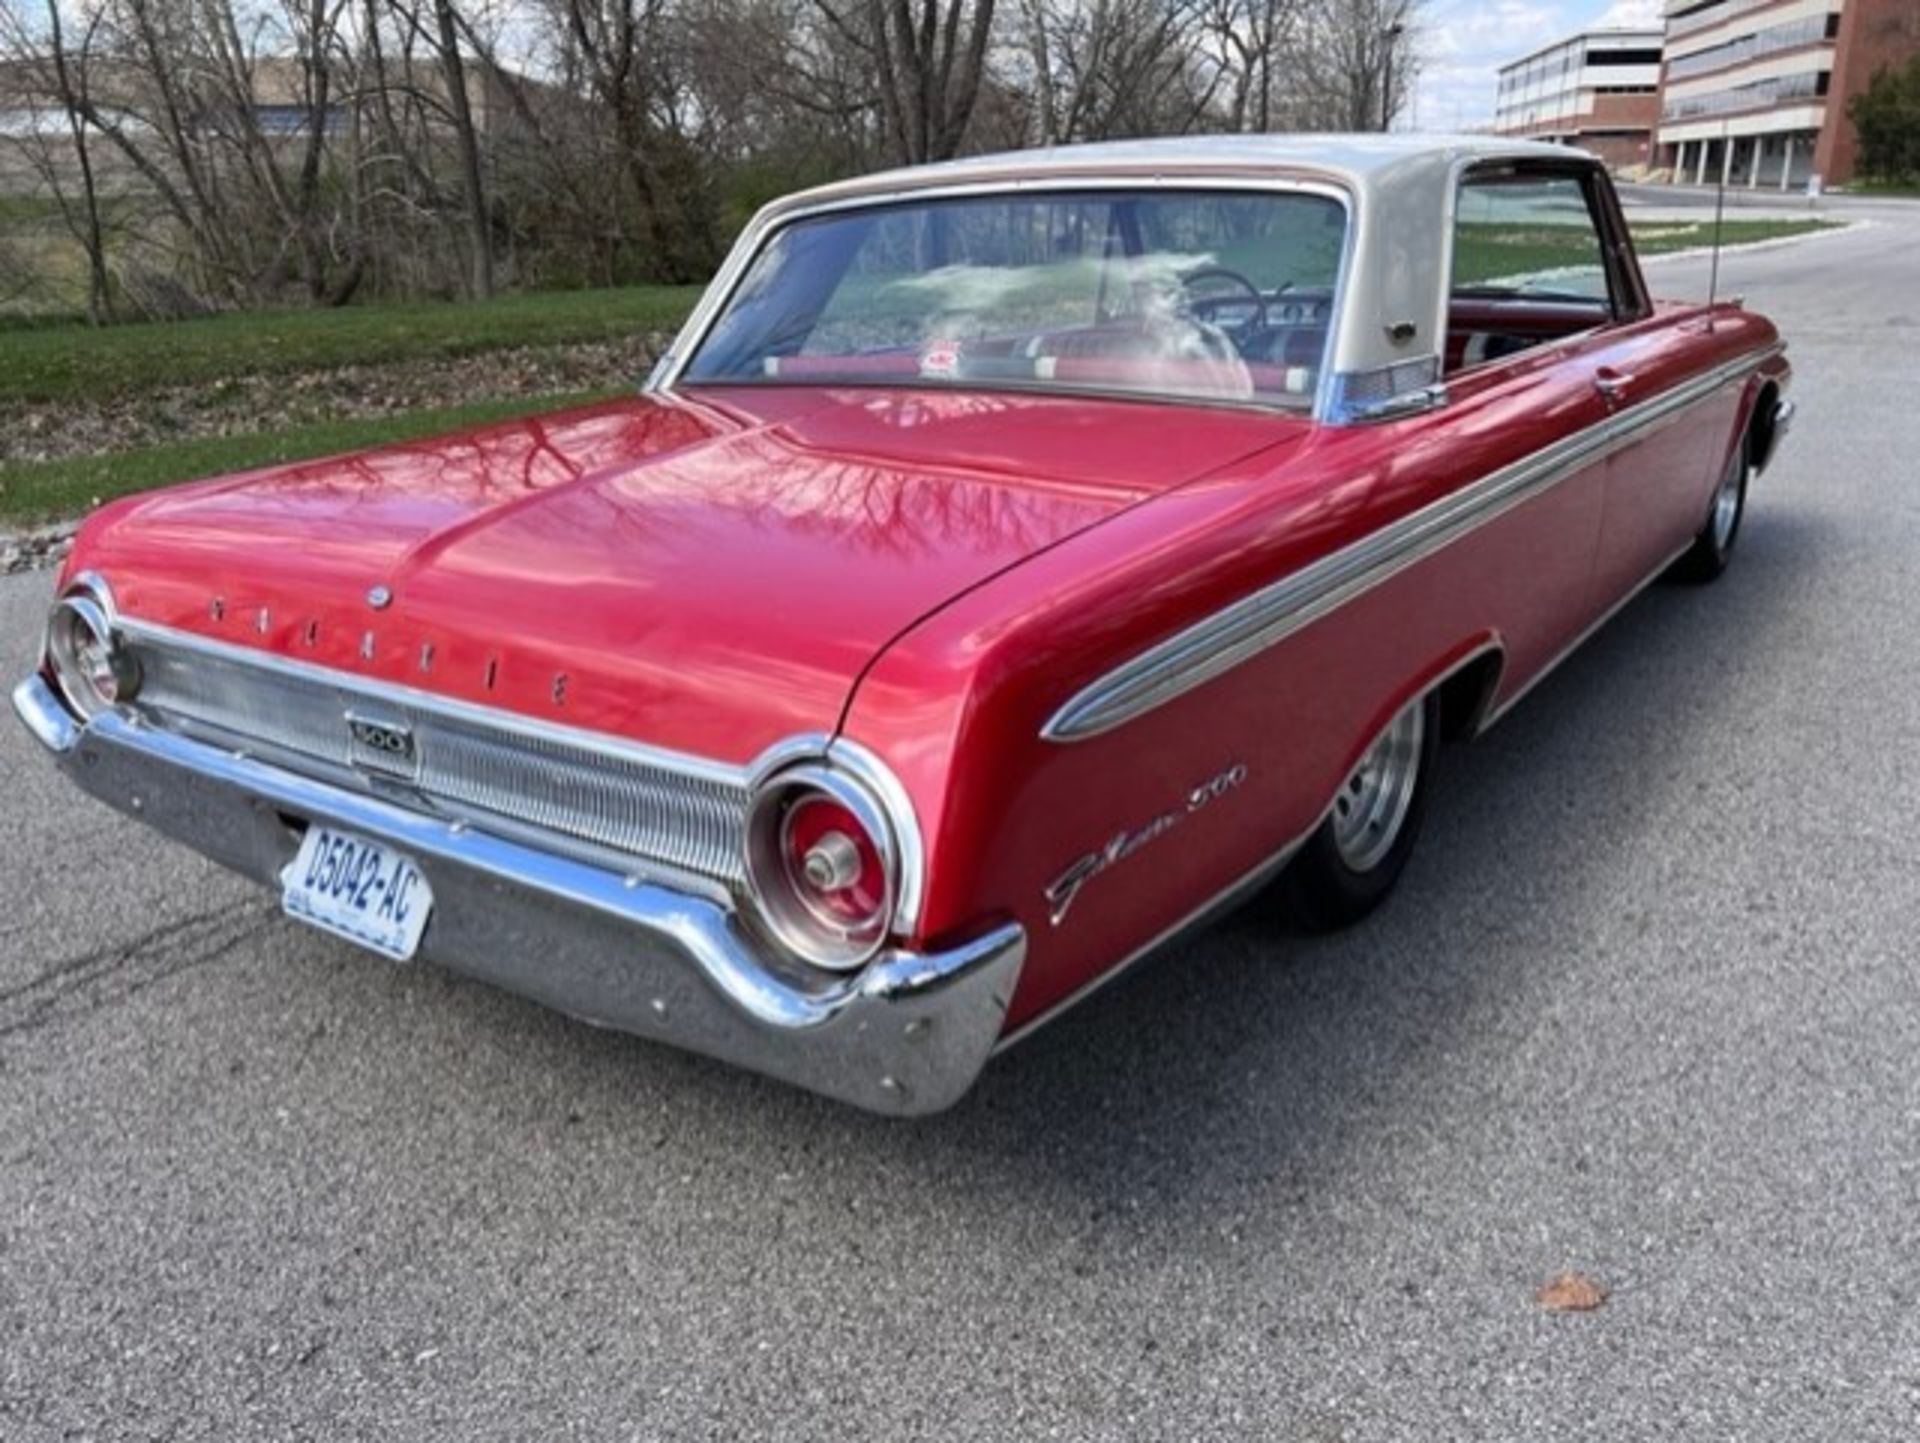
1719 218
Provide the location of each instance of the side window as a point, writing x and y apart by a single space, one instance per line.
1529 265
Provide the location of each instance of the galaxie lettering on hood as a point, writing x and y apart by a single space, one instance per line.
707 575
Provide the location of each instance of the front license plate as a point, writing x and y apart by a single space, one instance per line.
359 890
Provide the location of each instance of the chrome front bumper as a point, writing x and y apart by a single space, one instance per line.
906 1035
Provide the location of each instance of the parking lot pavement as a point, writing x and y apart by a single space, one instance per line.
1646 1008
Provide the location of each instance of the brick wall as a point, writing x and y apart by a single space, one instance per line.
1637 114
1873 33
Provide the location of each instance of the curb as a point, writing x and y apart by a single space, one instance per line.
1778 243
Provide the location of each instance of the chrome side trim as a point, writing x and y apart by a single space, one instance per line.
907 1034
1406 388
1406 403
1244 628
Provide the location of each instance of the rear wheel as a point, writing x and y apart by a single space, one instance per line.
1347 867
1712 548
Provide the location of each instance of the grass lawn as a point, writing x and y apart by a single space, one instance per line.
1898 189
1496 250
52 364
44 490
1659 237
57 363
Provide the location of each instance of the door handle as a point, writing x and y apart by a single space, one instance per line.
1611 384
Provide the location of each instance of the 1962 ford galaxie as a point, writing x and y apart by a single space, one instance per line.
1011 562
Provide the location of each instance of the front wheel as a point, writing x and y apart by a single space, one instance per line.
1347 867
1712 547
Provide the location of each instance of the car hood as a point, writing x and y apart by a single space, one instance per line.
709 575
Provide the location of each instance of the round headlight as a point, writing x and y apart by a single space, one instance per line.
823 867
90 666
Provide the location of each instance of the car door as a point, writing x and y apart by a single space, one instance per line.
1542 316
1662 460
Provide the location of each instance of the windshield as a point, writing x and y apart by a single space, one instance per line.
1218 296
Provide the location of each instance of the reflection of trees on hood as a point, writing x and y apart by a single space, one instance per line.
882 509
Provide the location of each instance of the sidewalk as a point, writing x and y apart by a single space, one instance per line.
1690 200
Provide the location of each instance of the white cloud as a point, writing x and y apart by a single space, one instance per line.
1625 13
1465 42
1463 45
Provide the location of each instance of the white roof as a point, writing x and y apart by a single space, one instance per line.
1353 160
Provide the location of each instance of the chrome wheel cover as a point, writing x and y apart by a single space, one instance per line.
1373 803
1726 503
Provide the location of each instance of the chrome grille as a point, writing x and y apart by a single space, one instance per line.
603 794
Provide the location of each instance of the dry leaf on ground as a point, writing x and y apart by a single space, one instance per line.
1571 1293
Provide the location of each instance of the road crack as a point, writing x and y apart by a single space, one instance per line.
106 976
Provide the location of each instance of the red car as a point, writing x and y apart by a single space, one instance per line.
1012 562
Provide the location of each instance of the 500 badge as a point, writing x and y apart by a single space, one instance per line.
1063 889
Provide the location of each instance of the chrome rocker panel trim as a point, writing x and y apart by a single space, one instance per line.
907 1035
1245 628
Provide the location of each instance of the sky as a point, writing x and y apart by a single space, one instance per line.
1466 41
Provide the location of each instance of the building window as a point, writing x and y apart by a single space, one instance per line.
1755 95
1810 30
1625 57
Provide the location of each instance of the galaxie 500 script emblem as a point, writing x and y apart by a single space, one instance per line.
385 745
1121 845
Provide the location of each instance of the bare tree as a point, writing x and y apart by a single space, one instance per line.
261 149
53 71
929 61
623 54
1109 68
1361 62
441 29
303 48
1257 46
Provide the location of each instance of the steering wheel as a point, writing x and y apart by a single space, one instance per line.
1257 322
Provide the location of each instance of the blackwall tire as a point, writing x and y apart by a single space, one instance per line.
1355 856
1712 549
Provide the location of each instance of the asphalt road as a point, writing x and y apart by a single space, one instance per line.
1647 1007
